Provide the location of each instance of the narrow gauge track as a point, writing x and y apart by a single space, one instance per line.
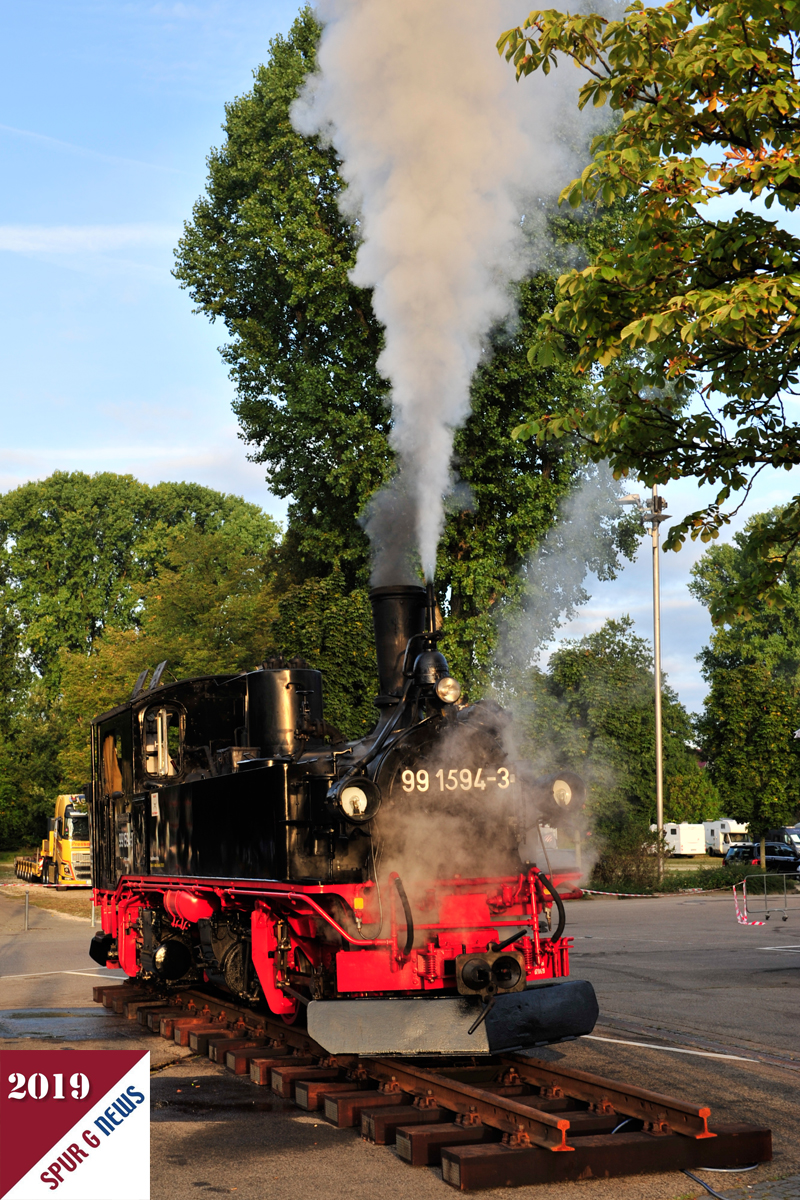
507 1121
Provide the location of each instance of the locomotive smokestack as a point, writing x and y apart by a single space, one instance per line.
398 613
430 607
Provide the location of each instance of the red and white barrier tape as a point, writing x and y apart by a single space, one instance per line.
648 895
28 883
742 917
630 895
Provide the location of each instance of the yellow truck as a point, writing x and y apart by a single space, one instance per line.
65 858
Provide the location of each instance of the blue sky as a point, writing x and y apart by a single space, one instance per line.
108 112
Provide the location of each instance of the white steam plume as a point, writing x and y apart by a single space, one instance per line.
439 145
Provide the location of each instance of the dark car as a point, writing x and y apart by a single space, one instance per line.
781 858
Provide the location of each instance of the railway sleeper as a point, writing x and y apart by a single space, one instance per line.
477 1166
261 1068
284 1078
487 1136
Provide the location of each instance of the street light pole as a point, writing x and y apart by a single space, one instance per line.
653 513
655 520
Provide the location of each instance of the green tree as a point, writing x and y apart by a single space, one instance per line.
101 575
747 731
769 634
29 772
268 252
209 610
77 551
694 798
28 740
592 712
331 628
692 315
752 666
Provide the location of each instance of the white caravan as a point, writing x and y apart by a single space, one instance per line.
721 835
683 839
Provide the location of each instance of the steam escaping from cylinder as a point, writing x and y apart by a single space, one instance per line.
439 148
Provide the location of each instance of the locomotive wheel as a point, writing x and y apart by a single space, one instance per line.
292 1017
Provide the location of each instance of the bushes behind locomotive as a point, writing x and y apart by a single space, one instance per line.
628 860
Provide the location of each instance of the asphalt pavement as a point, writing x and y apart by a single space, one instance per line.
692 1004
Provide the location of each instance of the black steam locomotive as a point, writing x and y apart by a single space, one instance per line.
373 888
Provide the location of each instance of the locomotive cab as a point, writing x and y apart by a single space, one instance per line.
241 843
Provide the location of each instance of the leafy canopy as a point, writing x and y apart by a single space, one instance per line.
746 732
268 252
752 666
592 712
688 325
769 634
77 552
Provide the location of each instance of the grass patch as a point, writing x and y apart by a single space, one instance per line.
76 903
701 877
722 877
8 856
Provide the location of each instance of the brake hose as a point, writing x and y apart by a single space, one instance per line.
562 918
559 903
401 891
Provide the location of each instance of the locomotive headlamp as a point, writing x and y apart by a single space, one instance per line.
354 801
359 800
557 799
448 689
562 793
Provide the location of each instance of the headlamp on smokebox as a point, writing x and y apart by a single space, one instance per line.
559 799
562 793
357 799
432 673
448 689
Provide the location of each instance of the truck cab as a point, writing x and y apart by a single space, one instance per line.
66 851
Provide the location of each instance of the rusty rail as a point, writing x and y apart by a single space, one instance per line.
522 1124
507 1128
659 1113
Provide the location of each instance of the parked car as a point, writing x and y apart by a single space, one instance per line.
781 859
787 833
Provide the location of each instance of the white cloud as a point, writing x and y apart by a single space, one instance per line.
218 462
84 151
85 239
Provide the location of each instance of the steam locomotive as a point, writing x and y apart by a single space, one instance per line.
374 889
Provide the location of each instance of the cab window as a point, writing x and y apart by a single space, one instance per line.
112 763
162 736
78 828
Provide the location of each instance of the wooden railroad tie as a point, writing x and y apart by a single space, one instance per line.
512 1121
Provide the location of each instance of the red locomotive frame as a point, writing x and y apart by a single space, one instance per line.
475 915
